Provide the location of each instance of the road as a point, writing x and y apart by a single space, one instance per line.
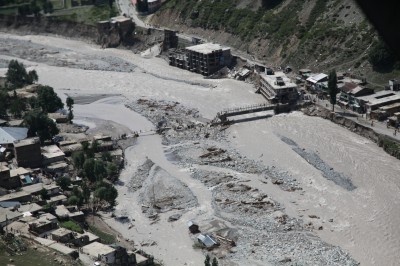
377 126
126 7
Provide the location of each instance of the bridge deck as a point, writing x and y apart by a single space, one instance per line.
245 110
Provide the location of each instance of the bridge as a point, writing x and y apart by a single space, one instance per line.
223 115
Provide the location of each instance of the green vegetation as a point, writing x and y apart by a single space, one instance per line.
105 193
32 257
382 58
332 88
86 14
39 124
17 76
105 238
70 105
48 100
207 261
44 195
64 182
71 225
389 145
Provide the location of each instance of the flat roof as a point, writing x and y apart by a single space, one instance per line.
95 249
62 211
61 232
92 237
375 95
6 214
39 186
19 171
316 78
33 207
56 198
271 79
380 98
390 106
207 48
62 248
15 195
52 151
24 142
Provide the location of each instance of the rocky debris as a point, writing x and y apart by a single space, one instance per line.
327 171
140 175
164 192
263 230
174 217
62 57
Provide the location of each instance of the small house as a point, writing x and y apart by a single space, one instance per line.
99 251
207 241
62 235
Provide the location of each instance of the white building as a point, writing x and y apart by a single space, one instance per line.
101 252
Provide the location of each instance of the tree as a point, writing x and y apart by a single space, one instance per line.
85 192
106 156
48 100
100 170
44 195
112 169
78 159
17 106
88 169
73 200
18 77
214 262
380 56
70 103
207 261
32 77
40 125
64 182
332 88
4 100
107 193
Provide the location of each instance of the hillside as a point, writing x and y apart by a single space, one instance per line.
319 34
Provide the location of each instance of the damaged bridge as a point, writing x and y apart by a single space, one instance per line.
225 114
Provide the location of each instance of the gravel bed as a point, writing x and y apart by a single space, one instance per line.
327 171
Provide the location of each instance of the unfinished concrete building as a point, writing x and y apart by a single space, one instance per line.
170 40
7 180
205 59
27 152
114 31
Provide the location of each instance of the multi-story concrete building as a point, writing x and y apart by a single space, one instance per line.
205 59
27 153
277 88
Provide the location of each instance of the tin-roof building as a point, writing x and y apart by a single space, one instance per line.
10 134
381 98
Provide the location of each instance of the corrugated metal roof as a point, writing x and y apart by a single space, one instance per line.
207 240
11 134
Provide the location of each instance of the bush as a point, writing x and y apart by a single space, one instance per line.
71 225
381 57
